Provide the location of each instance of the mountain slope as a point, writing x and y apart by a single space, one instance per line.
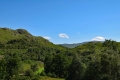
20 38
7 34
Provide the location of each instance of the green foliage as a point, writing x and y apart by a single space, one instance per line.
76 70
99 62
10 66
57 64
29 72
34 67
40 70
43 73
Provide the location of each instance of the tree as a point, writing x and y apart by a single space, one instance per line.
2 69
76 70
9 66
34 67
58 65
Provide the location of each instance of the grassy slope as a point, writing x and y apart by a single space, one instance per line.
8 34
40 70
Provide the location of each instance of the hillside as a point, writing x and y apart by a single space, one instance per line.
27 57
9 37
19 47
12 36
7 34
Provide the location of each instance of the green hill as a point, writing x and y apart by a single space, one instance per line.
23 54
22 39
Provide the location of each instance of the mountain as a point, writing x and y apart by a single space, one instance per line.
22 39
72 45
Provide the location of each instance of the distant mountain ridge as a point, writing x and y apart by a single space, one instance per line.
76 44
72 45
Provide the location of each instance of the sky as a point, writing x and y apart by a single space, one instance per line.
64 21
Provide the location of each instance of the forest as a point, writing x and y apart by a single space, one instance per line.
27 57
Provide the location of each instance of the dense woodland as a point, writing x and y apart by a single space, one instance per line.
27 57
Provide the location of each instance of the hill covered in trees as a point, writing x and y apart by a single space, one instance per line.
19 51
27 57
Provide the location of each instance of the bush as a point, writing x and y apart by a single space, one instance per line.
53 75
49 74
43 73
29 72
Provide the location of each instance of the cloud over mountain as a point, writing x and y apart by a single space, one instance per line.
63 35
98 38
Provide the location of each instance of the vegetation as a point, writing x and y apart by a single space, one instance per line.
27 57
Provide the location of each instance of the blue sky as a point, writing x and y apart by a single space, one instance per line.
64 21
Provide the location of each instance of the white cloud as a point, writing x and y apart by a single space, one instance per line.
47 37
98 38
63 35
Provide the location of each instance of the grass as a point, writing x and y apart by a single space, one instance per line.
48 78
26 66
40 70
